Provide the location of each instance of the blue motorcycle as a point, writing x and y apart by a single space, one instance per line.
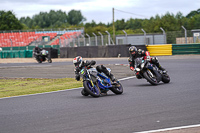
150 72
97 84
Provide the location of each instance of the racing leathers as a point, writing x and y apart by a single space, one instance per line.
100 68
145 55
36 51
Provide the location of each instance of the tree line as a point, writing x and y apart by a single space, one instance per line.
74 19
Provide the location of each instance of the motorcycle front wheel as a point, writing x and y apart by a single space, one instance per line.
92 90
150 77
39 61
117 88
165 78
49 60
84 93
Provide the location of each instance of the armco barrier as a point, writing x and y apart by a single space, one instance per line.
178 49
156 50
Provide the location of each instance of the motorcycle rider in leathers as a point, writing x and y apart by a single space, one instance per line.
134 53
36 51
79 64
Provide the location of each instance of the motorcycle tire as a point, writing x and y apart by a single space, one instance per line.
39 61
117 89
92 90
165 78
50 61
84 93
149 79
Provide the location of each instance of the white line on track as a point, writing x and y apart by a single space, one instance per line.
169 129
59 90
127 78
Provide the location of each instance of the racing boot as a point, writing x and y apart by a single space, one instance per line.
107 73
156 62
111 76
161 68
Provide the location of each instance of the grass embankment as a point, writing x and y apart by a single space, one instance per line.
25 86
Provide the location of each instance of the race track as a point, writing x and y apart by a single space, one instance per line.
141 107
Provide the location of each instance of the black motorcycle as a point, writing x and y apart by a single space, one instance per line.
150 72
42 56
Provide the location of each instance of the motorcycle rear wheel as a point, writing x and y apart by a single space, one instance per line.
150 79
92 90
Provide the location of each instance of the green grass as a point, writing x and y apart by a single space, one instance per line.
25 86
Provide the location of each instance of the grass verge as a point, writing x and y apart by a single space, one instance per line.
25 86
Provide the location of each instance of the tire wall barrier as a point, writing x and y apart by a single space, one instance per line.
26 53
156 50
97 51
173 49
179 49
16 54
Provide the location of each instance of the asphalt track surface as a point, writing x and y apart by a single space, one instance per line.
142 107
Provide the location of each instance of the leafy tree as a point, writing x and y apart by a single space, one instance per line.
134 24
8 21
194 22
120 24
53 19
193 13
92 24
75 17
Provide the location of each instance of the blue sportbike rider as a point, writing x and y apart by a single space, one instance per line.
79 64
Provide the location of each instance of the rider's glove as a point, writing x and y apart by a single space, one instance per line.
129 59
132 68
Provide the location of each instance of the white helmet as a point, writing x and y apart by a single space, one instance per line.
78 61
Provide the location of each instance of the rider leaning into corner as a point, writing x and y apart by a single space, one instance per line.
37 50
134 53
79 64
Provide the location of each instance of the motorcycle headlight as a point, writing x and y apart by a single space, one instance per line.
137 69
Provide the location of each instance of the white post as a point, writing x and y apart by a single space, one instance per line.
185 34
83 38
163 34
88 38
101 38
125 35
95 38
144 36
108 37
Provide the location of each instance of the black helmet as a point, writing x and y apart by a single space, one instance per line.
36 47
133 50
